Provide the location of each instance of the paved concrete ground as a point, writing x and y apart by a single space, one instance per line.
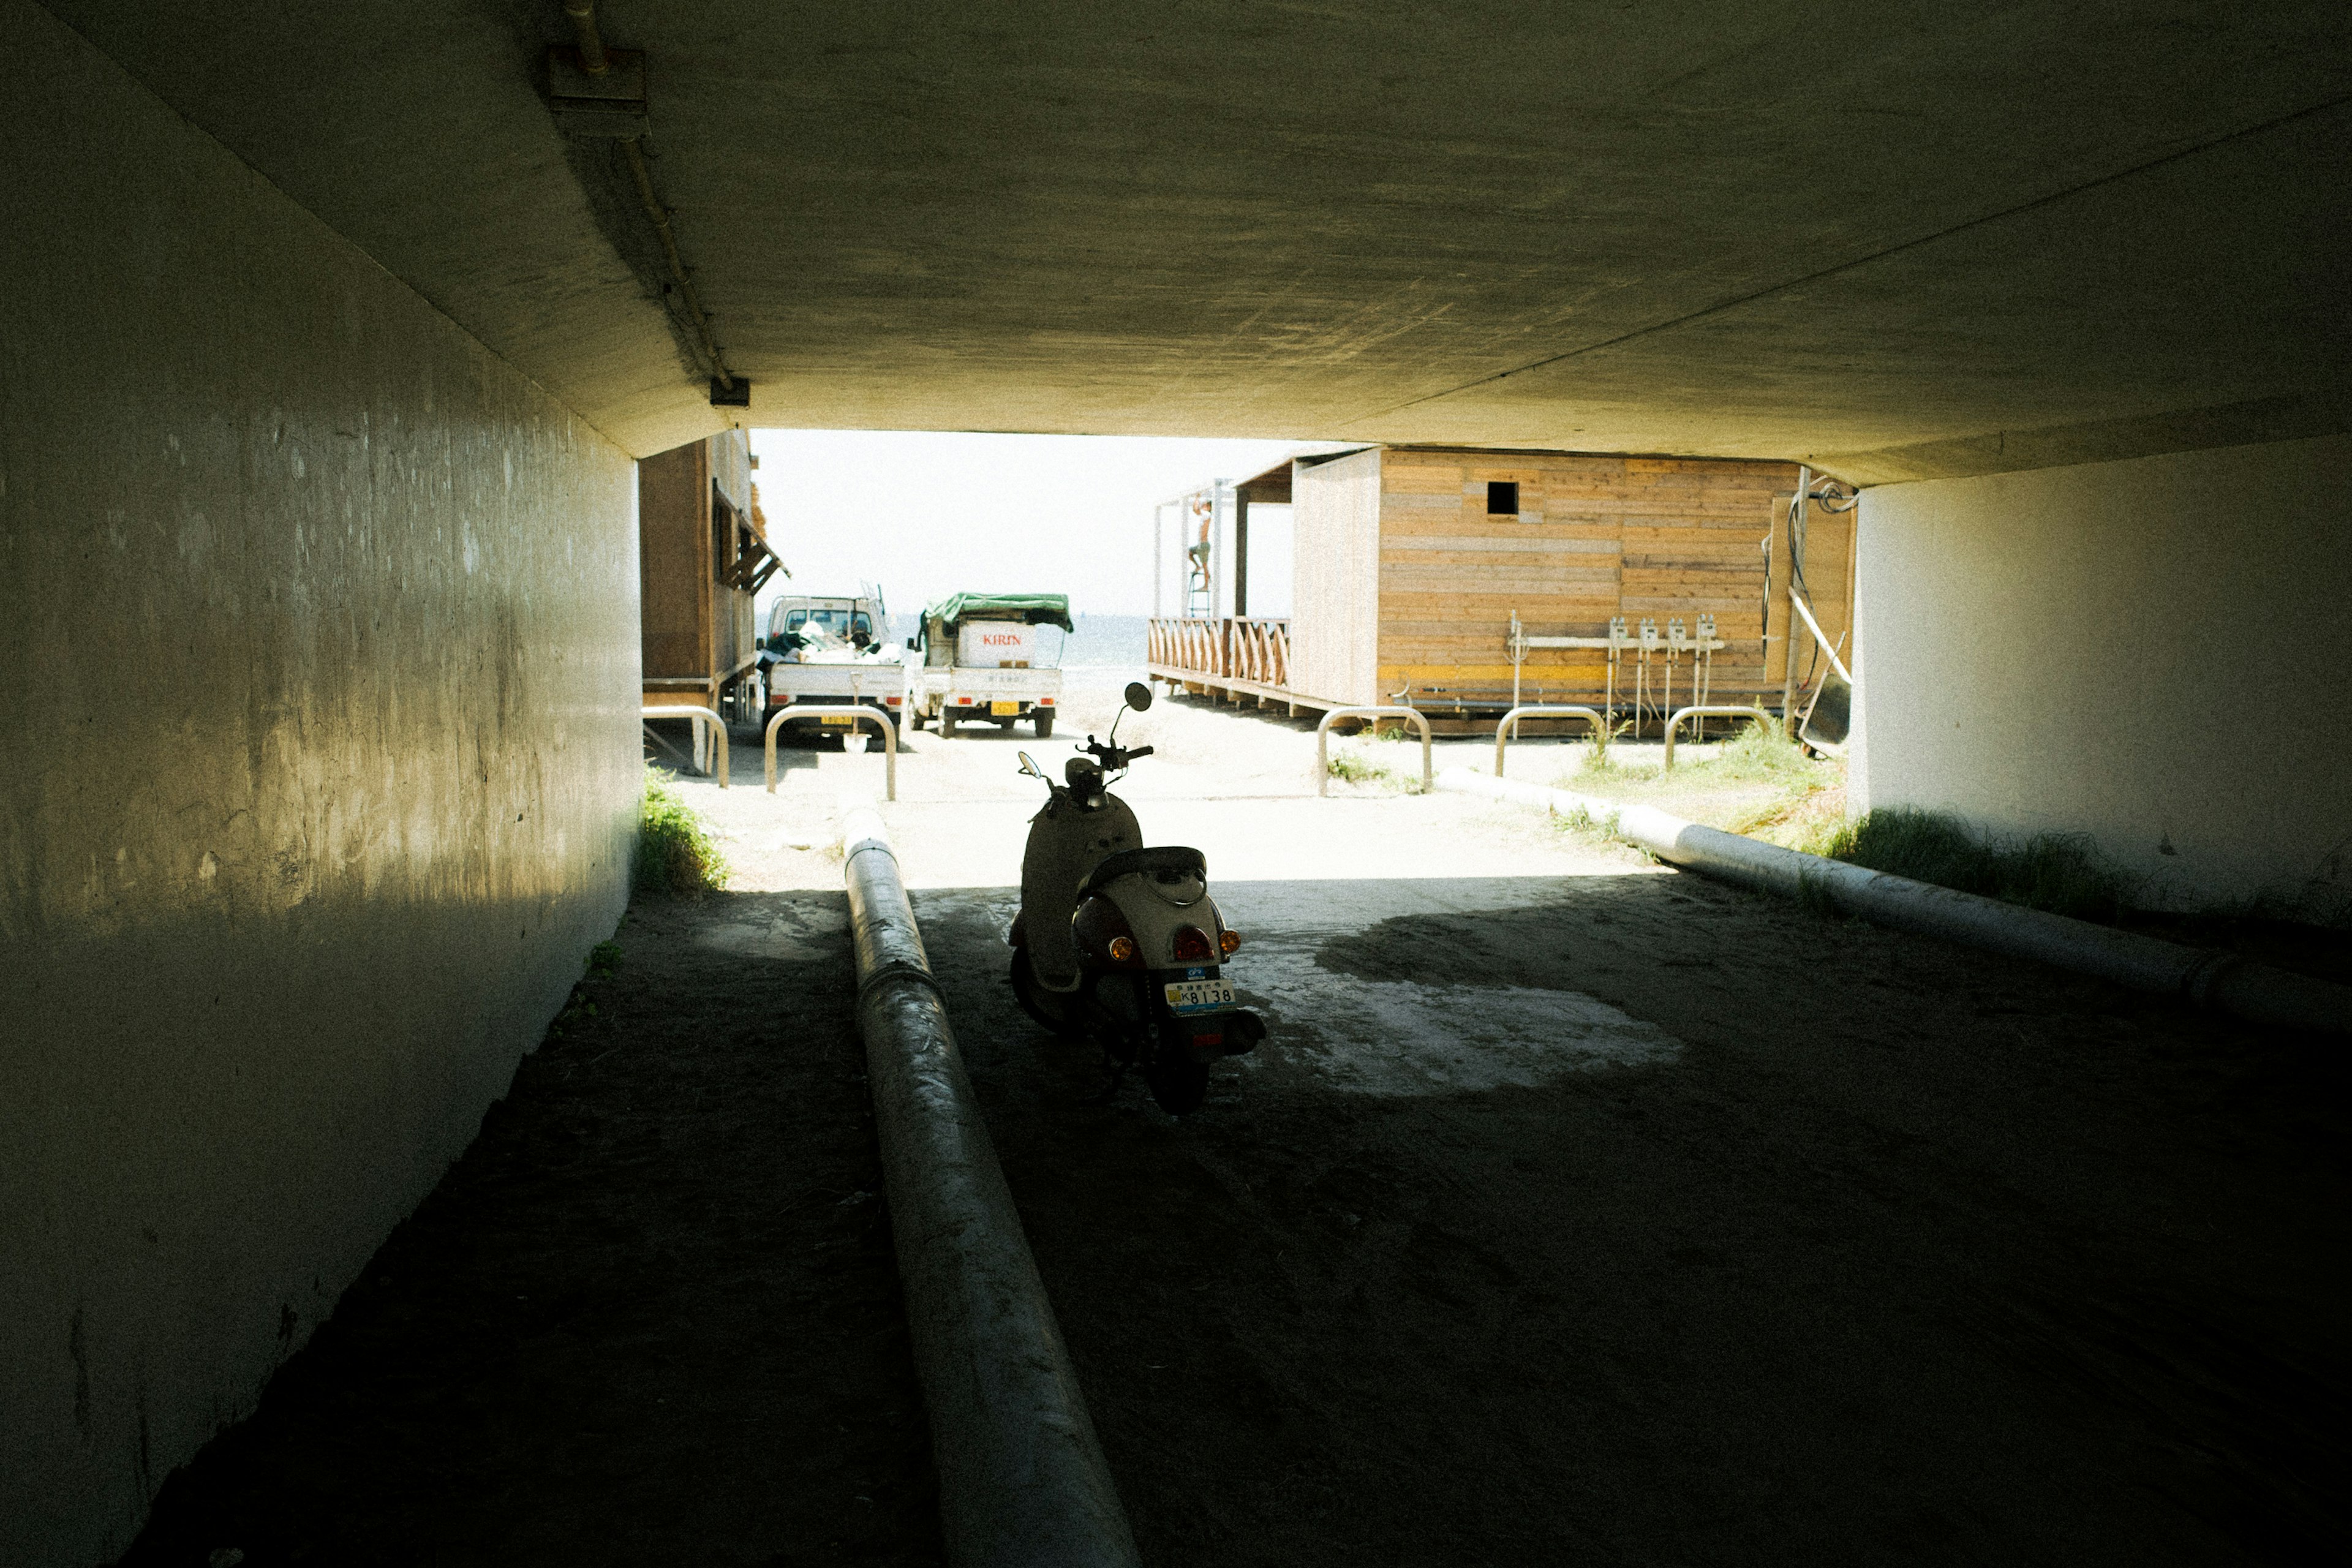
1581 1208
1575 1210
1239 784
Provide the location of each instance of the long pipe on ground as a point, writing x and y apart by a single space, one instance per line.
1023 1481
596 62
2252 991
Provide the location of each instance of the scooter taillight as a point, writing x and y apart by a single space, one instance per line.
1103 935
1192 946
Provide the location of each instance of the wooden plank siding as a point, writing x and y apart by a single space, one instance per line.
1335 604
695 625
1403 581
674 577
1595 536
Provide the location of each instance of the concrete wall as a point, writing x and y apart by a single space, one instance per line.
317 672
2153 652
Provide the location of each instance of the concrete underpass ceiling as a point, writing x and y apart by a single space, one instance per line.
1900 239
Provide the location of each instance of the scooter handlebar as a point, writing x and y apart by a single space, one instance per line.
1139 751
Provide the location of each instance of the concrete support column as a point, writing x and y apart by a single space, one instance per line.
2146 651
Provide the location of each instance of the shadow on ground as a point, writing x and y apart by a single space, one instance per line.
1615 1219
651 1317
1812 1243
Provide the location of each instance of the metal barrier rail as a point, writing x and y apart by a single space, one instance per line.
837 710
1506 728
718 728
1323 735
1728 711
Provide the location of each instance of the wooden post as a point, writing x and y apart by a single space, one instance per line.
1241 552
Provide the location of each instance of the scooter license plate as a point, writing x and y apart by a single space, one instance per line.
1188 996
1004 709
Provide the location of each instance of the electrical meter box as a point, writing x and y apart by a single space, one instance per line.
995 645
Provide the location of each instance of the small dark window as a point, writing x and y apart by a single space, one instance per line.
1503 498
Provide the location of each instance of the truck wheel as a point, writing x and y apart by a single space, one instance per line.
947 722
1045 717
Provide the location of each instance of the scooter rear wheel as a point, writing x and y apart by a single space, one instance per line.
1047 1007
1178 1087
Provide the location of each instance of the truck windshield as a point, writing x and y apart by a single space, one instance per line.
838 621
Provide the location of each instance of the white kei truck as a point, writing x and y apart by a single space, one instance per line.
833 652
980 657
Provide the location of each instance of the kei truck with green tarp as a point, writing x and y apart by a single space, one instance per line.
988 656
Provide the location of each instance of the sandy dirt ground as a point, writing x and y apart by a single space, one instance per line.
651 1317
1575 1210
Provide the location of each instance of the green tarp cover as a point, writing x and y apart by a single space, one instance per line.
1037 609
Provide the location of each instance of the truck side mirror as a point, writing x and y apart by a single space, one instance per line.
1139 696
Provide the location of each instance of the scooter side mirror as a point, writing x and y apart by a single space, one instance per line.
1139 696
1029 765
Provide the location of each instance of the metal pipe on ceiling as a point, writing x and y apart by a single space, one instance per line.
592 42
595 61
634 151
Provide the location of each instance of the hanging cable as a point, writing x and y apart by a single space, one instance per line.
1832 496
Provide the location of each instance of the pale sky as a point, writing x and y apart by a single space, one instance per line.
928 514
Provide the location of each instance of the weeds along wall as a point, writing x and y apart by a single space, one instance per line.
320 634
2145 652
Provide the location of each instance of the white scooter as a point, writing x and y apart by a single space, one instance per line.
1122 944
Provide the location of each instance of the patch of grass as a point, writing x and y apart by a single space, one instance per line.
1595 747
1358 764
1760 753
1599 831
1757 781
604 961
676 854
2061 873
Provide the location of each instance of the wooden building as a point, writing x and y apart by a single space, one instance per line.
1409 564
703 553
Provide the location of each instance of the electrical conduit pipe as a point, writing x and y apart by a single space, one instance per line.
1023 1481
2252 991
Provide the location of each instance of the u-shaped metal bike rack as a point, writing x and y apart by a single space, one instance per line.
1323 736
837 710
699 716
1506 729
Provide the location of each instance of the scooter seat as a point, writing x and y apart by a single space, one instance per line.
1167 860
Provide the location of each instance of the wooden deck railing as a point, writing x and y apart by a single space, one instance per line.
1228 649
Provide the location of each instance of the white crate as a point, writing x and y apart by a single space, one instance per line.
986 644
